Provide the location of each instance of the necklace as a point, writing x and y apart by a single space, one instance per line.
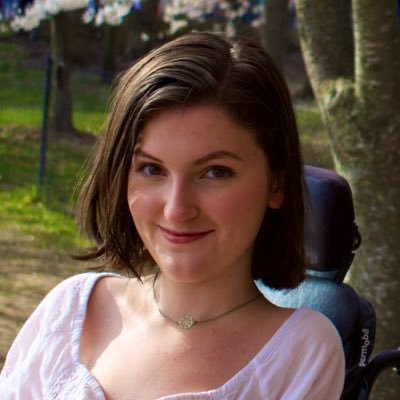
187 321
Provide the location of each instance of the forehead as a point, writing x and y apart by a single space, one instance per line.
201 128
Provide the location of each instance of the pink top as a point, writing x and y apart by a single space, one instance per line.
303 360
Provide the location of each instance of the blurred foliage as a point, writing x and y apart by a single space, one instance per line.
22 93
313 136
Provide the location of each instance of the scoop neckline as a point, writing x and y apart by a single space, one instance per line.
267 350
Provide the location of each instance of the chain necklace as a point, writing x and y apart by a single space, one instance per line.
187 321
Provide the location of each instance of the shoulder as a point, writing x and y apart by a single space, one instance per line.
314 341
113 289
64 298
306 354
61 310
314 328
320 346
115 295
310 341
305 337
311 318
319 325
72 285
74 292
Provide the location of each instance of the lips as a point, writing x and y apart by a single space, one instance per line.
179 237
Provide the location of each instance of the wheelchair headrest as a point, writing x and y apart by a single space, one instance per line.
331 235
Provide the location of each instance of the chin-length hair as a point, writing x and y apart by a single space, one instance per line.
200 68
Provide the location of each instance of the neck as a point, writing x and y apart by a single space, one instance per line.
202 300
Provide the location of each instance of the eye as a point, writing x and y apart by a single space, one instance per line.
150 169
218 172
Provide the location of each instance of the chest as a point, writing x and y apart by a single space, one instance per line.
149 366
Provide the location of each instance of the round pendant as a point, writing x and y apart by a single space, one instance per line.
186 322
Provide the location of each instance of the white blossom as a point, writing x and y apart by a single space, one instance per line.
42 9
177 13
144 37
114 13
110 12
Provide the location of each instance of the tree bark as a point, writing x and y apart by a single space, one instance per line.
377 57
61 103
330 54
359 101
276 30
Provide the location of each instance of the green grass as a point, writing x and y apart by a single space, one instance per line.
44 212
90 100
25 208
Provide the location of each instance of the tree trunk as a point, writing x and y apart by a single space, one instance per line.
61 103
276 30
109 62
359 97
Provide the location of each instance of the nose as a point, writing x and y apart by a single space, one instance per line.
180 202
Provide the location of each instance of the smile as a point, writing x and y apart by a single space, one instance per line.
182 237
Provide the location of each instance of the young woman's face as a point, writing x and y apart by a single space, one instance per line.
198 189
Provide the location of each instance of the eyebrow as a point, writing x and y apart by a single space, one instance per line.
216 155
208 157
140 152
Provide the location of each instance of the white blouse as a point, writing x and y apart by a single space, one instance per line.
303 360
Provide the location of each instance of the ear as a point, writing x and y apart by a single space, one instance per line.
277 192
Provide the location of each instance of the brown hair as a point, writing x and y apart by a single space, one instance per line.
198 68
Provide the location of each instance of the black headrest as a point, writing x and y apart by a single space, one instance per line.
331 235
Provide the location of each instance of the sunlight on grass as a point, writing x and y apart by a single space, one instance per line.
25 208
91 122
21 116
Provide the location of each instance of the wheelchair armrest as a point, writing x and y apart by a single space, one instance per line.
384 359
360 379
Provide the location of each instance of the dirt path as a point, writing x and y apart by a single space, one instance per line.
27 273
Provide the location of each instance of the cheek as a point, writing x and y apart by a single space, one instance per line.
141 205
243 209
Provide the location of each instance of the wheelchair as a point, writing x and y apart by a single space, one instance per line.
331 240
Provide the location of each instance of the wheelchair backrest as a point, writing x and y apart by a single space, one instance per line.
331 237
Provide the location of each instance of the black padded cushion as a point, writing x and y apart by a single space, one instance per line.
330 231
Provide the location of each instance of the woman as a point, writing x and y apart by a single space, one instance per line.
198 177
